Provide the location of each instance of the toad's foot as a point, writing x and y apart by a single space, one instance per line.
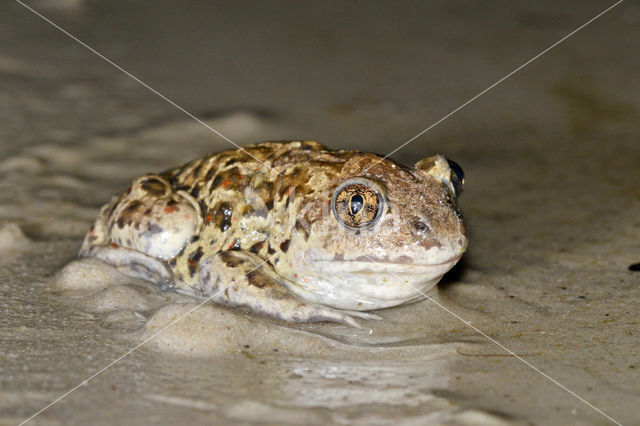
133 263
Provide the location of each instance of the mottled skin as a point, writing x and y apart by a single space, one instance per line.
255 228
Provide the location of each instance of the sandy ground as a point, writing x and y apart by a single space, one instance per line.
552 202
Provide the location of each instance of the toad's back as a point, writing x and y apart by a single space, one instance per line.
246 200
232 200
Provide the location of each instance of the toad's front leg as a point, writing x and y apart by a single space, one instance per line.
240 279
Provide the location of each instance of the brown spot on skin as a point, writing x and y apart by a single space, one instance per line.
258 279
216 182
154 187
295 179
313 213
194 258
230 179
196 171
222 214
428 243
204 209
177 186
209 174
257 247
230 260
284 246
306 147
269 204
235 245
270 250
131 208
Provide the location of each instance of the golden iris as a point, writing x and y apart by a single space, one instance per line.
357 206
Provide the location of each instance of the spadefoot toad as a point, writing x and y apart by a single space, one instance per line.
291 230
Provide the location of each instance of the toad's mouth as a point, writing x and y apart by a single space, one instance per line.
366 282
402 266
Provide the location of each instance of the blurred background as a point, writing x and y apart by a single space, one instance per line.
552 202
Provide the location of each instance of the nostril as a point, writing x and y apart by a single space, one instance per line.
421 226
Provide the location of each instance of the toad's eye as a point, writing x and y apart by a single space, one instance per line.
357 204
457 176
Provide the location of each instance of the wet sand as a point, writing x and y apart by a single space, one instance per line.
552 203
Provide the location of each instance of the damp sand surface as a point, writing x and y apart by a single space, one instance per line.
551 201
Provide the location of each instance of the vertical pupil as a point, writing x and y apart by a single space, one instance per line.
356 204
